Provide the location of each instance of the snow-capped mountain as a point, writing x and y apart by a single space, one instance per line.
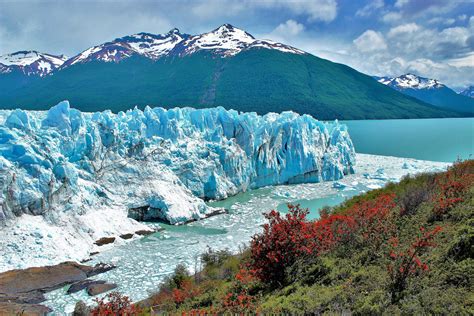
144 44
31 62
226 66
430 91
226 40
410 81
468 92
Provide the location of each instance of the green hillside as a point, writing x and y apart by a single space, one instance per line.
443 98
405 249
258 80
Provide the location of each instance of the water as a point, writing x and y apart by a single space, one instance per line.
317 204
143 264
429 139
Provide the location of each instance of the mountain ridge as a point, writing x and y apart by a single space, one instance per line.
225 67
226 40
468 92
430 91
31 62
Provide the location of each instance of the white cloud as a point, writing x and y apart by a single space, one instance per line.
420 8
391 17
370 8
441 20
313 10
445 54
466 61
370 41
401 3
403 29
289 28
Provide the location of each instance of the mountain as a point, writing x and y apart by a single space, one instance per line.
468 92
144 44
224 41
227 67
430 91
31 63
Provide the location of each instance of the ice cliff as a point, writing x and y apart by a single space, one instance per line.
157 163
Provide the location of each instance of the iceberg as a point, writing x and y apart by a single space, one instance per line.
166 163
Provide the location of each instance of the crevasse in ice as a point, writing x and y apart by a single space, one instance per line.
166 162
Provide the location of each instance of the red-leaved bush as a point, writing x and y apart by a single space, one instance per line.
406 262
287 238
238 299
365 222
114 304
186 289
452 187
283 240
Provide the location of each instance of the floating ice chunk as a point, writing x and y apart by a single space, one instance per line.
338 185
373 186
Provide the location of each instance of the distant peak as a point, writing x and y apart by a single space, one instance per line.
25 52
228 30
412 81
226 26
468 92
174 31
31 62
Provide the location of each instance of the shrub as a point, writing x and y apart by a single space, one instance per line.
287 239
283 241
463 245
219 264
215 258
239 299
114 304
180 275
413 197
406 262
365 224
453 185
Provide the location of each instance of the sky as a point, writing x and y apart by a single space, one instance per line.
431 38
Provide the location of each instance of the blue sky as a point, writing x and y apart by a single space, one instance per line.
433 38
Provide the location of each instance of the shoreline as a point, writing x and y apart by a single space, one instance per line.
23 291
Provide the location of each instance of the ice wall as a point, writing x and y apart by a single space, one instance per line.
166 161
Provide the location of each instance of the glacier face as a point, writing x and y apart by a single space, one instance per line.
164 161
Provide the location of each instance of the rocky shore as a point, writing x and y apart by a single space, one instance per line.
22 291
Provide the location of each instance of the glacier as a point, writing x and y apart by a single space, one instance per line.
154 155
97 172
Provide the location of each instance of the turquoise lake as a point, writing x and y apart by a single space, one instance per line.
428 139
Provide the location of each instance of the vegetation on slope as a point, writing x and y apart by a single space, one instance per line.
259 80
405 249
443 98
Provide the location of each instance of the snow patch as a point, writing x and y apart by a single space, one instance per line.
411 81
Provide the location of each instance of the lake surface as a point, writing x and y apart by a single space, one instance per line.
428 139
